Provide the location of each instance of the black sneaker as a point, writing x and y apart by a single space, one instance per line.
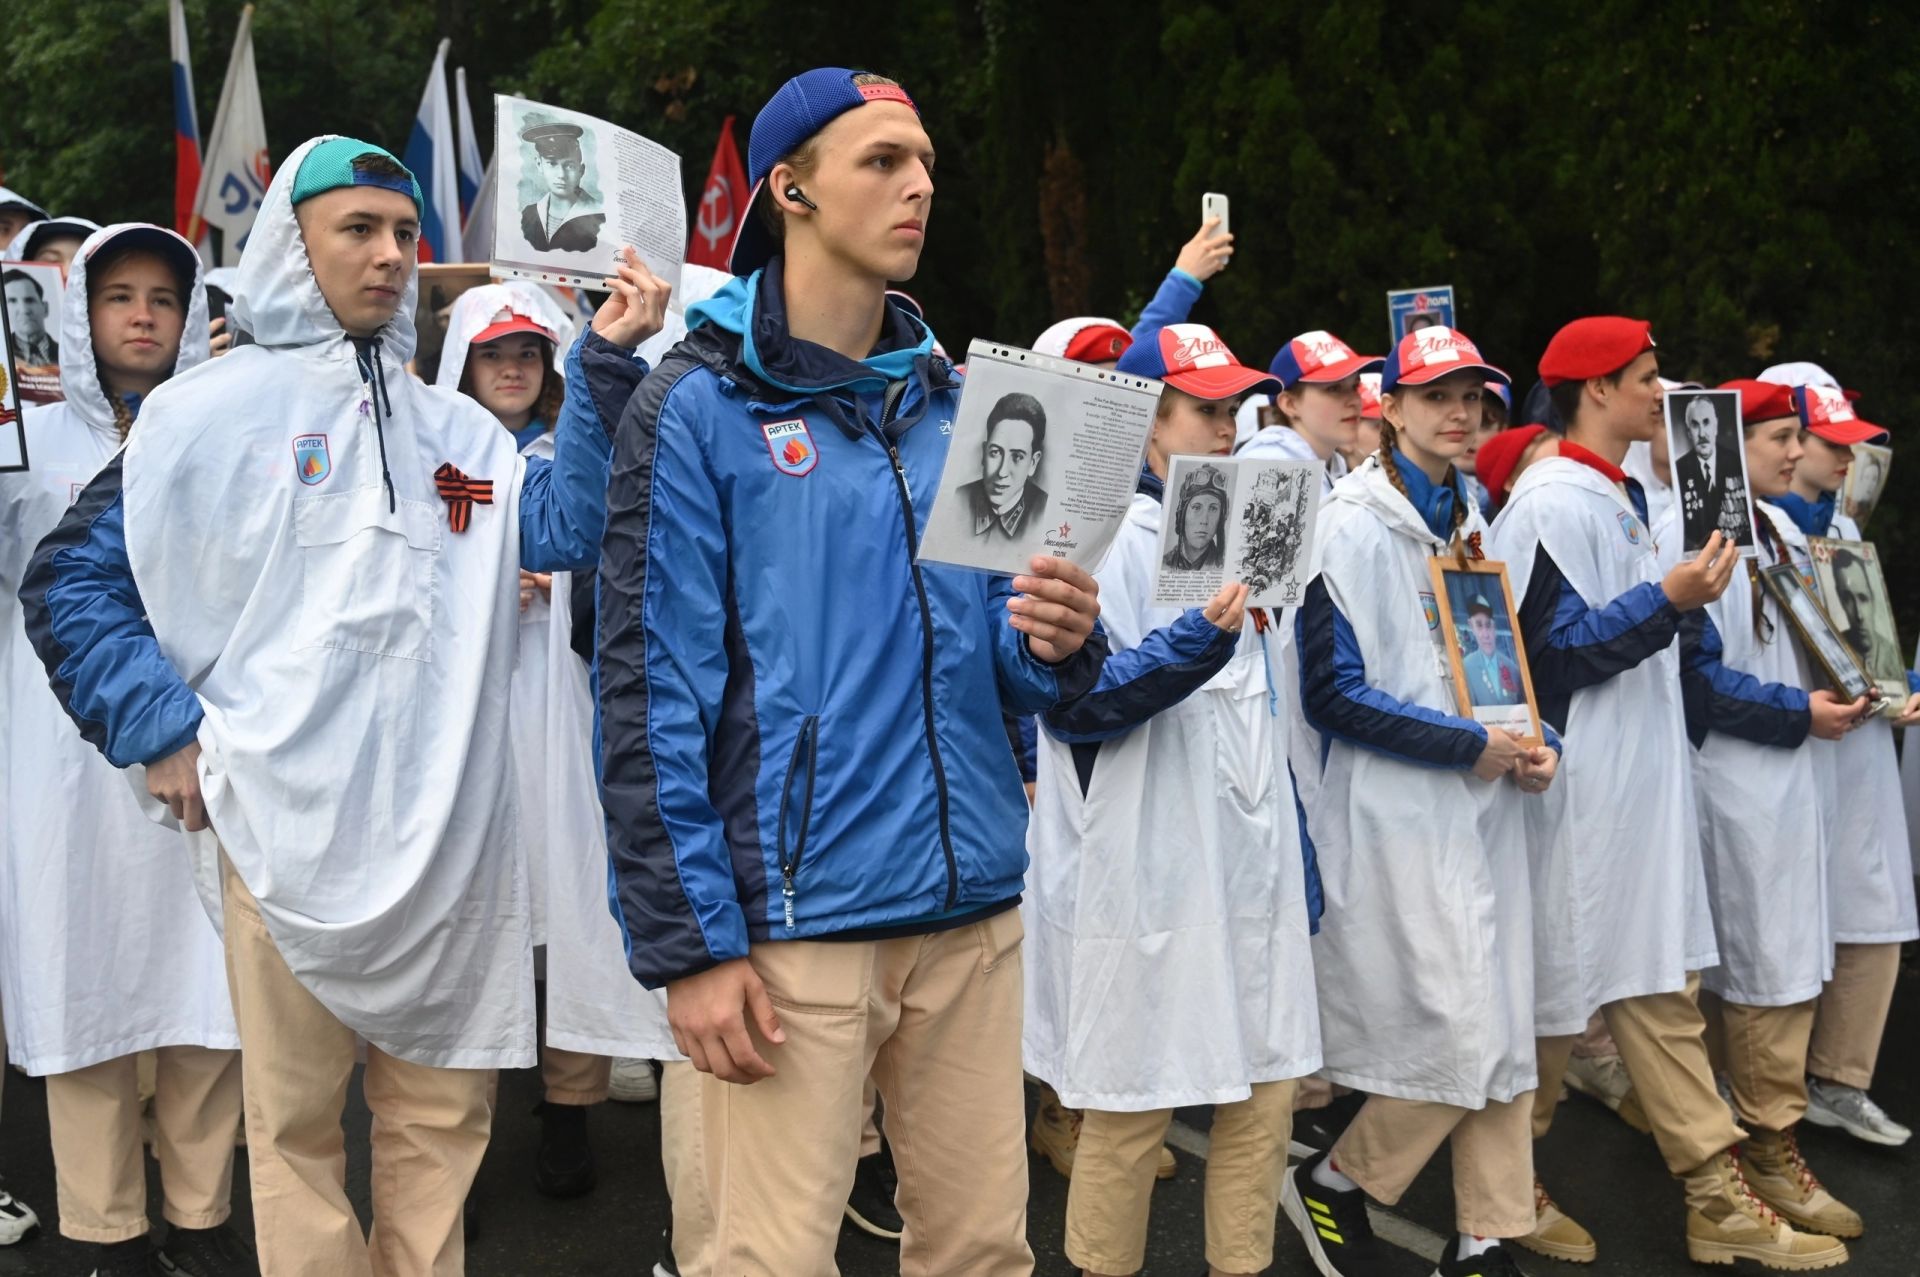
870 1205
565 1166
1335 1227
1320 1128
666 1265
16 1217
122 1259
206 1252
1494 1262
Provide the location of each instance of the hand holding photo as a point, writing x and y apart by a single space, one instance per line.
1492 684
1709 467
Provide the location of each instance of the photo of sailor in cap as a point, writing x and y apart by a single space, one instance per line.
567 217
1200 522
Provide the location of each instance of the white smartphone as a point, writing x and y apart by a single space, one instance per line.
1215 205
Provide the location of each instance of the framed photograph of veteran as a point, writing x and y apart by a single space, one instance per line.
1819 637
1855 592
1491 682
1709 469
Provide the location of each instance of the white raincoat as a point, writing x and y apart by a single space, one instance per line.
104 949
1168 960
1763 834
1638 463
1619 888
352 653
1869 852
593 1002
1425 955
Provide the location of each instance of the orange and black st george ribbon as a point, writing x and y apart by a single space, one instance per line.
460 493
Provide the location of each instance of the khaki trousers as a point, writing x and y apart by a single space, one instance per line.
99 1156
1112 1187
1764 1053
574 1077
683 1159
935 1020
1662 1039
430 1127
1851 1015
1390 1140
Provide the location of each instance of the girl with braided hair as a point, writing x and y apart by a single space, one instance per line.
1425 957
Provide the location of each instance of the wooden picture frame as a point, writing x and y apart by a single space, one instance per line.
1818 638
1853 588
1460 587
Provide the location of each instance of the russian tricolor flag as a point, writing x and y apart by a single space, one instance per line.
186 129
431 156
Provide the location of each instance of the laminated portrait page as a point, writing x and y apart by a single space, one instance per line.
571 189
35 292
1247 520
1045 457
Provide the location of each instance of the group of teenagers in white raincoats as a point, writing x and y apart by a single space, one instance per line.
1483 900
1263 846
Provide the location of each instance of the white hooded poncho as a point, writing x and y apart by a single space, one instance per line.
104 950
352 653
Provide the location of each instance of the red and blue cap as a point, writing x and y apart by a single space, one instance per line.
1319 357
1191 358
799 109
1827 412
1428 354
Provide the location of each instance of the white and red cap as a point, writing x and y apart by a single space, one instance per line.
1370 394
1826 411
1428 354
1191 358
506 322
1319 357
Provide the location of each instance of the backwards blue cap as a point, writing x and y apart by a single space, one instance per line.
799 109
329 166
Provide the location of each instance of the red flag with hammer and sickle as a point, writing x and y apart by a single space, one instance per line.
722 205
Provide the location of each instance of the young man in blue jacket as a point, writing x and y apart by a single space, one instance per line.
810 800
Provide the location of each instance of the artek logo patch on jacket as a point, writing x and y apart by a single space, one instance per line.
311 460
791 446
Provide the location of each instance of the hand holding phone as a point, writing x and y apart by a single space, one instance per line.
1211 248
1214 205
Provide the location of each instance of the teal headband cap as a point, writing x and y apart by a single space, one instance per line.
329 166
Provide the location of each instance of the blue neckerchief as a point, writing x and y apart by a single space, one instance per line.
1812 517
528 433
1433 501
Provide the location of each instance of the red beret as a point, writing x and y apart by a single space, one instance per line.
1594 347
1493 465
1761 400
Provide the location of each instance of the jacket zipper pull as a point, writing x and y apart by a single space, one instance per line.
786 892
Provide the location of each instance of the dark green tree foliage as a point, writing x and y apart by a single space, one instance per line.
1741 173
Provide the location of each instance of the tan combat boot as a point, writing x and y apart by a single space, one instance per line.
1725 1222
1554 1234
1778 1176
1055 1135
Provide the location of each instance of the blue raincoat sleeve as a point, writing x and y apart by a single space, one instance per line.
1029 685
1719 698
1339 701
1171 304
665 594
86 622
1166 667
563 502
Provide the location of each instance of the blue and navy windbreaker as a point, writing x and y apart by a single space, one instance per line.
87 624
801 727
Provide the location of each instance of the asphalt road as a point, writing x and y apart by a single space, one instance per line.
1604 1174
